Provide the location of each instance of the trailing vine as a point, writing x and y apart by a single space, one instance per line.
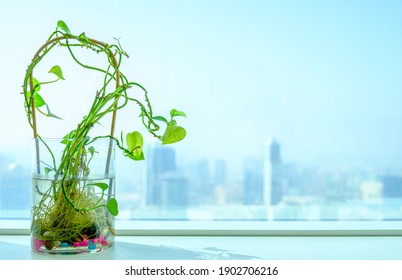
78 151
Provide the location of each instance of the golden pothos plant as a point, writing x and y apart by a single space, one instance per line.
78 148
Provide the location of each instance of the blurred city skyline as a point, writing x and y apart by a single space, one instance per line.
267 189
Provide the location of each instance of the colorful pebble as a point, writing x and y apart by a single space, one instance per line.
92 246
38 244
84 242
64 244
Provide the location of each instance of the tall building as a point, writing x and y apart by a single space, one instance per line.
273 177
253 191
203 176
173 190
220 172
161 161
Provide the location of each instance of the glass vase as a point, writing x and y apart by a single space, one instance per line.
73 196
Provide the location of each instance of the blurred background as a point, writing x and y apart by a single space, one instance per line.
293 106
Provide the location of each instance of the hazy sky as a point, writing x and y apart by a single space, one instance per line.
322 77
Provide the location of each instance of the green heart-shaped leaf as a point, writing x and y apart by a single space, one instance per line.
63 26
160 118
134 145
103 186
48 170
176 113
113 207
57 71
39 102
91 150
173 134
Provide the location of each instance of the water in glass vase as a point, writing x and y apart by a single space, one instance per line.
70 216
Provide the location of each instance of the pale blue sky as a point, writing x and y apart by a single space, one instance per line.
322 77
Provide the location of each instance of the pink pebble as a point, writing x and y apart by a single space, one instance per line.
84 242
38 243
95 240
102 237
104 242
76 244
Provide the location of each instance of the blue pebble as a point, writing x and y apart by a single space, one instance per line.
64 244
92 246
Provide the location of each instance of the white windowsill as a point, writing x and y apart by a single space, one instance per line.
220 247
149 240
